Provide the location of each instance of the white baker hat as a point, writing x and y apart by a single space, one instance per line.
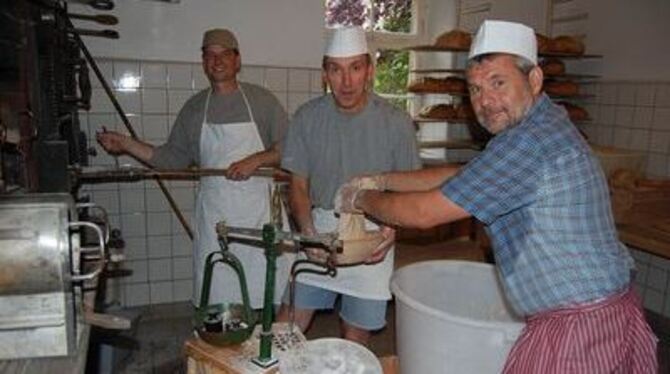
505 37
347 42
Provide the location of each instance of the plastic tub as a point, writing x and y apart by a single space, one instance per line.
451 317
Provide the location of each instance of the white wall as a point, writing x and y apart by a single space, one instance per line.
441 16
531 12
633 36
270 32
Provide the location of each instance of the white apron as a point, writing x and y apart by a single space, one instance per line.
363 281
239 203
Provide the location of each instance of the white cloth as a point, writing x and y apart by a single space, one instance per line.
239 203
363 281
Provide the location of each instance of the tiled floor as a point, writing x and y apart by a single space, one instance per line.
154 345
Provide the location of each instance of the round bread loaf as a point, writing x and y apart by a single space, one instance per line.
465 112
438 111
456 39
425 85
568 45
552 66
561 88
575 112
542 43
438 85
455 85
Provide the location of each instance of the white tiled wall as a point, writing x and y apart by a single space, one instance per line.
636 116
158 250
653 281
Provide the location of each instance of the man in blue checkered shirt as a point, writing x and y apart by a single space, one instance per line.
544 200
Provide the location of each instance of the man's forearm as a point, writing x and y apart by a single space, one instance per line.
267 158
419 180
421 210
301 205
139 150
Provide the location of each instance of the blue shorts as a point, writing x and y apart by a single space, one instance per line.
364 314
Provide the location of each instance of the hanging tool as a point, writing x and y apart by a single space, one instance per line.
96 4
110 34
103 19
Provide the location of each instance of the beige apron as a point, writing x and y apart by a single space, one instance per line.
239 203
363 281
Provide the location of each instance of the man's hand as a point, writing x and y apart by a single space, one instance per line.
113 142
318 255
388 233
242 169
345 197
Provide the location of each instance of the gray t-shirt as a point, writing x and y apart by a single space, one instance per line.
183 145
329 147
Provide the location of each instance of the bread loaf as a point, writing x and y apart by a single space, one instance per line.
542 43
568 45
438 111
552 66
561 88
455 85
438 85
575 112
425 85
464 112
456 39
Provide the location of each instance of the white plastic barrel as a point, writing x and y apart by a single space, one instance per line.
451 317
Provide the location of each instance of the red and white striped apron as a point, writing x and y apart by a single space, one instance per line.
609 336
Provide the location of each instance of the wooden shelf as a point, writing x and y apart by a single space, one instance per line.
572 76
418 94
432 48
569 56
437 120
432 71
582 78
576 97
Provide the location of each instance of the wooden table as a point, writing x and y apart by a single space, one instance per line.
203 358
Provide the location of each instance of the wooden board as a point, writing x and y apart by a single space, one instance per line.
390 364
203 358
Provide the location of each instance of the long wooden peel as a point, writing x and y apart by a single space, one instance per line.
136 174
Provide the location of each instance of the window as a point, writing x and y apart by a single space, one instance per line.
392 71
391 25
373 15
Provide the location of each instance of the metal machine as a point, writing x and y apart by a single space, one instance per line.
52 247
45 272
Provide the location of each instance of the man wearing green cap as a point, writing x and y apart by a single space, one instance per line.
229 125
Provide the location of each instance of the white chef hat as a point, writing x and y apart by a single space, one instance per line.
347 42
505 37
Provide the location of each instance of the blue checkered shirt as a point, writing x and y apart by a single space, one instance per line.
544 199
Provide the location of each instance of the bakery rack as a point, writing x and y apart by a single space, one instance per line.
580 79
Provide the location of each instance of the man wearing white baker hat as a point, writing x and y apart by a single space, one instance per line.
544 200
342 134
